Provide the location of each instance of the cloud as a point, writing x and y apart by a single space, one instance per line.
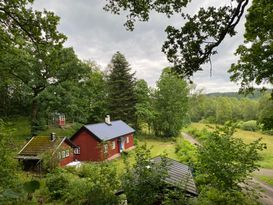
97 35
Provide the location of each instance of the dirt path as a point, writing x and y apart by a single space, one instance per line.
267 195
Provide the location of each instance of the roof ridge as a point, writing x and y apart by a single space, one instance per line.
103 122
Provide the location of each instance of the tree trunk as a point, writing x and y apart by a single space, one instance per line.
34 118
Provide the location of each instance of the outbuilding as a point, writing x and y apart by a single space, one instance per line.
101 141
59 149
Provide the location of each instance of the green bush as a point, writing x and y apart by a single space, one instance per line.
186 152
57 184
249 125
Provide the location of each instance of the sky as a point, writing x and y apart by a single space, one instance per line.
96 35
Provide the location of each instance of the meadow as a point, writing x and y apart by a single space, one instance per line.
247 137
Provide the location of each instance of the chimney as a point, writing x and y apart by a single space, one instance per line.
53 136
107 120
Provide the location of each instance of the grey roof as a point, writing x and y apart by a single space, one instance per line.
179 175
105 132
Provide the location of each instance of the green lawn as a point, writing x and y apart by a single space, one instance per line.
248 137
157 146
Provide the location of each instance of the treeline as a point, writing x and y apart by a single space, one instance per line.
40 78
220 109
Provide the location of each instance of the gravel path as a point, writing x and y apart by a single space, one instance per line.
267 195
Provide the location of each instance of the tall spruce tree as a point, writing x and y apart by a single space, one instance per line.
121 96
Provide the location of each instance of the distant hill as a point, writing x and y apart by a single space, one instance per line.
256 94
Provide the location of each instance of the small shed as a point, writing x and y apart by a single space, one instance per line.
179 174
103 141
60 148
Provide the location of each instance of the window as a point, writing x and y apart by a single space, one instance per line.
77 150
106 148
127 140
63 154
59 155
113 145
66 153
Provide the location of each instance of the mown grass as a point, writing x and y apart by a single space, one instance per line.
247 137
156 145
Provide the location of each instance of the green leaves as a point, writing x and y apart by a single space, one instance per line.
226 162
171 104
255 63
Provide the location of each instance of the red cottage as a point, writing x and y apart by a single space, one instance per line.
61 148
97 142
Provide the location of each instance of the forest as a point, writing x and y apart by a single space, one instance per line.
225 138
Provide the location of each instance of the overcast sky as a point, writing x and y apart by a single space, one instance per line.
97 35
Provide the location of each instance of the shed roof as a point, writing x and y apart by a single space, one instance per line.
40 144
179 174
106 132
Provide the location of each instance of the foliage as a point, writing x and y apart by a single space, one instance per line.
90 184
144 109
266 113
143 182
255 63
121 96
249 125
57 184
196 41
220 109
214 196
227 162
170 104
186 152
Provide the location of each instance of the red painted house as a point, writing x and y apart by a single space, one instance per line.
62 149
97 142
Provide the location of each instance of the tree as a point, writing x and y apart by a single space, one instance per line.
121 96
226 163
255 63
143 182
91 90
265 116
196 41
170 104
32 50
144 109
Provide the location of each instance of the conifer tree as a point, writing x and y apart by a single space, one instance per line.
121 96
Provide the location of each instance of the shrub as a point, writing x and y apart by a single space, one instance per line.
57 184
186 152
249 125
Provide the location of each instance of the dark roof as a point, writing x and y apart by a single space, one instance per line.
179 174
105 132
40 144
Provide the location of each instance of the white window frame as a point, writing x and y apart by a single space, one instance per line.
127 139
105 148
67 153
63 154
59 155
113 144
77 150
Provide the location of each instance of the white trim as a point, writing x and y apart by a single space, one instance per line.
59 145
26 145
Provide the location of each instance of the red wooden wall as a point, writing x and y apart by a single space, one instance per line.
131 141
89 147
69 159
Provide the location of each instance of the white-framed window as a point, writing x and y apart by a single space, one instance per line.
59 155
63 154
113 145
105 148
127 140
77 150
66 153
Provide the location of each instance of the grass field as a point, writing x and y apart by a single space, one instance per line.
248 137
